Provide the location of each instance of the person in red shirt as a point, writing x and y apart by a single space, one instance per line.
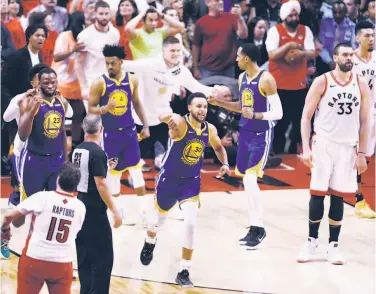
13 25
214 41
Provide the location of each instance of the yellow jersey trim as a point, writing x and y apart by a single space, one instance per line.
198 132
103 86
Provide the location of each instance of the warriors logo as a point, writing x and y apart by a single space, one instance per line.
247 98
52 124
193 152
121 98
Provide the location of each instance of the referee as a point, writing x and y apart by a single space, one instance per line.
94 242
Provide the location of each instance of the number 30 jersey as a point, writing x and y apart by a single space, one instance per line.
337 116
56 218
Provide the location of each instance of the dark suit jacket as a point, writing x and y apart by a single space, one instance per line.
14 74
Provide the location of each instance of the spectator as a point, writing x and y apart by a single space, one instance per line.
353 12
59 14
48 47
7 46
14 75
339 29
257 28
13 25
127 10
310 15
369 11
178 6
289 45
214 43
68 84
269 10
16 11
248 11
326 8
146 42
90 63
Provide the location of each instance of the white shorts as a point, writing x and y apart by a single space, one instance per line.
333 171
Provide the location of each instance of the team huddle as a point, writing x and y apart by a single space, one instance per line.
344 134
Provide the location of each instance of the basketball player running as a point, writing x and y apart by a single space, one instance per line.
57 217
115 93
260 107
42 127
365 66
340 100
179 179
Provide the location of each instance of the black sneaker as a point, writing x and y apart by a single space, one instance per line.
252 231
256 239
147 253
183 279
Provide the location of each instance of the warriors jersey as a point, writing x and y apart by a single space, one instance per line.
184 155
46 133
121 91
251 95
56 218
367 69
337 117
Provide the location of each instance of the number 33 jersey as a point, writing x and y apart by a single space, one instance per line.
56 218
337 114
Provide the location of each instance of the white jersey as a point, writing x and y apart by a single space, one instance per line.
337 117
56 218
367 69
157 83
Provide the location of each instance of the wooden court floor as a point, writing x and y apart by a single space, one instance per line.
269 270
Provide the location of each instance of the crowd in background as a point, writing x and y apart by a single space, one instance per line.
48 31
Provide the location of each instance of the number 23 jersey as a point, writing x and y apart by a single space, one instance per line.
338 112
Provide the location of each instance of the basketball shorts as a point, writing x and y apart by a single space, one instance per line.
122 144
171 190
33 273
253 151
39 172
333 169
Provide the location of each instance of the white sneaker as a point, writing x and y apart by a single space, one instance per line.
334 255
308 250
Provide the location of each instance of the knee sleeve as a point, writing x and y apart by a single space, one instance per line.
316 208
137 178
359 178
190 211
336 208
113 181
156 221
250 182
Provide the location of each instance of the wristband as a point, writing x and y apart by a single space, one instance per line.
254 115
363 153
225 165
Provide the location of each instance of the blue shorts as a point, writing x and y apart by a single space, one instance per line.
170 190
253 151
122 144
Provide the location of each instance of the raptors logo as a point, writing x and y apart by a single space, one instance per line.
247 98
121 98
193 152
52 124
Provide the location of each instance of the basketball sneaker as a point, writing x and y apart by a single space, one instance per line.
308 250
256 239
334 255
5 253
251 231
147 253
183 279
363 210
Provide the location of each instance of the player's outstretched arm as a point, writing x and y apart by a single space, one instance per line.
176 124
96 90
13 109
312 100
219 150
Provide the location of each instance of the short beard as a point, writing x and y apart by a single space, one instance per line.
197 118
293 24
47 94
344 68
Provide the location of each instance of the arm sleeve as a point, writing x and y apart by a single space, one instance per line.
275 112
33 204
69 112
98 163
272 40
188 81
308 41
13 110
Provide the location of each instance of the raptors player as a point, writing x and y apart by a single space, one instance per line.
56 218
340 100
365 66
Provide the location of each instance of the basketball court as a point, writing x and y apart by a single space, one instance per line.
220 265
